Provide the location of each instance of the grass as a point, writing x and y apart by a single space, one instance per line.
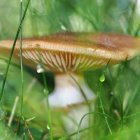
116 112
12 50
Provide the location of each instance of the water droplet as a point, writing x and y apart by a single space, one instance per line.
1 73
40 68
63 28
111 93
48 127
2 114
44 90
102 78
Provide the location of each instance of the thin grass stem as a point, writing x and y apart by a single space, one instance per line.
103 111
81 130
13 111
12 51
133 97
84 96
90 113
82 92
46 93
21 64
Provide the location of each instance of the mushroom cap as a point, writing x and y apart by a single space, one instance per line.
75 52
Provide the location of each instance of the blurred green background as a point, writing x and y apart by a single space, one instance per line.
120 92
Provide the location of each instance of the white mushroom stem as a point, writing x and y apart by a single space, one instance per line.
67 95
67 92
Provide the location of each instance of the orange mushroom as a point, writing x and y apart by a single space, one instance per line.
66 53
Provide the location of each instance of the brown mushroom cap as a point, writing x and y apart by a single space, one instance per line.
75 52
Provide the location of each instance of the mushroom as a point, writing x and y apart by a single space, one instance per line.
72 53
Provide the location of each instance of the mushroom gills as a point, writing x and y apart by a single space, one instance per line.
74 52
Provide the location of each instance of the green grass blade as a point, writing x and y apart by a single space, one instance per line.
103 111
12 50
21 63
46 92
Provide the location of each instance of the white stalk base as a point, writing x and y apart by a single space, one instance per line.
67 95
67 92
